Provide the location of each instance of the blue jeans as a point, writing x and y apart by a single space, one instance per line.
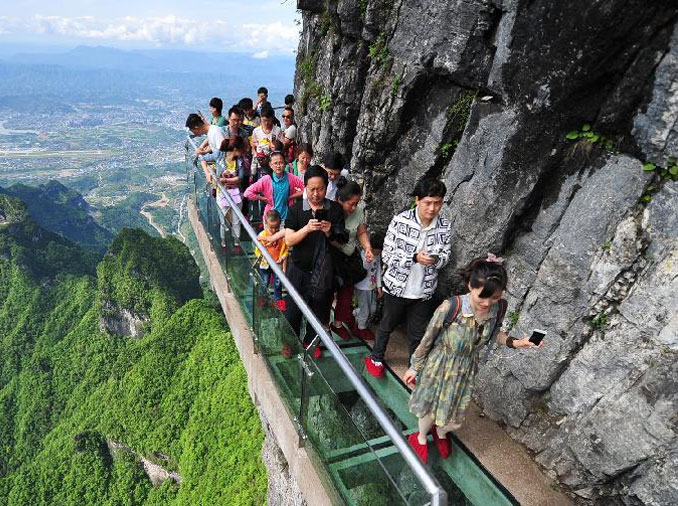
266 275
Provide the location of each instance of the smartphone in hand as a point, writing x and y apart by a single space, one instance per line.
321 215
537 336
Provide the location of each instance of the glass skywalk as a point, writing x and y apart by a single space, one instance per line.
359 463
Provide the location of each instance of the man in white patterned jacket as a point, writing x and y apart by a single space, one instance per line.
416 247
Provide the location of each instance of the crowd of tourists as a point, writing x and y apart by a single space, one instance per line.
314 227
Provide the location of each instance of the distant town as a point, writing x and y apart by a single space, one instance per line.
113 135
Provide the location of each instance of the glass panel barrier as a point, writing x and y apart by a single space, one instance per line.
277 343
346 440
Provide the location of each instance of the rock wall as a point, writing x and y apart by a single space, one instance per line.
483 94
283 489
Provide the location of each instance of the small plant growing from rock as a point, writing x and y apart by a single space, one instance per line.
513 317
588 135
396 84
599 322
662 174
378 50
668 173
445 150
460 110
363 7
324 102
607 245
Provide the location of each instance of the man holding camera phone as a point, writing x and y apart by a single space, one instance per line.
311 225
416 247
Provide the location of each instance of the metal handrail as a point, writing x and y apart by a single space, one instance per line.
438 494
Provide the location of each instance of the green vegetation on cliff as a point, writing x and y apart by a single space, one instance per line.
79 407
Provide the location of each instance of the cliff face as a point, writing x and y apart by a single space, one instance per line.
541 118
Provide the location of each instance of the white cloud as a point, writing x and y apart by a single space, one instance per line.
263 38
6 24
261 55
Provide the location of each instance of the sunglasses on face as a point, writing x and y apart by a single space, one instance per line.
286 116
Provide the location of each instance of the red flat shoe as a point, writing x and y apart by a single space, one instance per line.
281 304
341 332
317 353
443 445
376 370
420 449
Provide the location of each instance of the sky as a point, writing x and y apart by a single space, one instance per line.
262 29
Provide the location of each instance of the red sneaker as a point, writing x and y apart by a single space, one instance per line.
317 353
376 370
281 304
341 332
420 449
443 445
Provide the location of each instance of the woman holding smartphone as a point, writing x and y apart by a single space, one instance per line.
444 365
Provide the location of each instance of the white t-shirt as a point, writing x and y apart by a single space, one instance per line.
265 142
414 288
215 136
331 192
373 278
291 132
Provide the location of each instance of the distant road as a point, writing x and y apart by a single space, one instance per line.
182 207
60 154
149 217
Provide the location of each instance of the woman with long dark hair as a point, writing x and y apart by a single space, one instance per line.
445 363
349 195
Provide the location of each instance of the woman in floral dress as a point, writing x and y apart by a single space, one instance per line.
445 363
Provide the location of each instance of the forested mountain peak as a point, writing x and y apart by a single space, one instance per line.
62 210
11 210
71 396
142 280
38 252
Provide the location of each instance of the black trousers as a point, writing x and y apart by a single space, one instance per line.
416 312
321 307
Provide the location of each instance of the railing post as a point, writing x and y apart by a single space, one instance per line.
306 375
255 310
